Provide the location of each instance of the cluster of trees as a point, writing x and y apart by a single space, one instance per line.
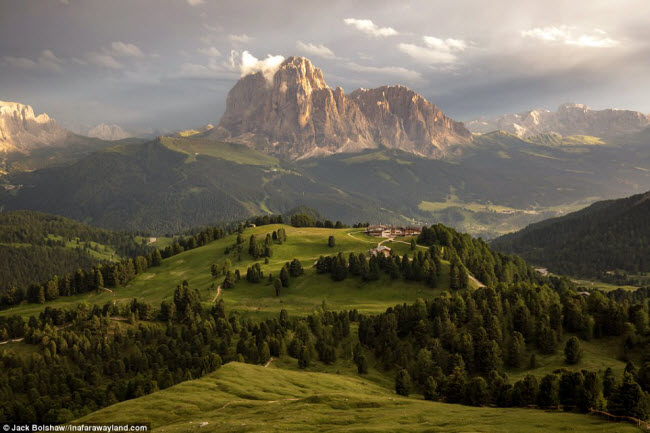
456 346
486 265
265 220
304 220
84 361
200 239
424 266
254 274
265 249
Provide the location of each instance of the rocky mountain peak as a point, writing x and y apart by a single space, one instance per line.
21 130
297 115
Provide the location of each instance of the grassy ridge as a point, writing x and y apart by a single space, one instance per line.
246 398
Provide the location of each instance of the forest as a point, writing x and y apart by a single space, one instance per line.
606 240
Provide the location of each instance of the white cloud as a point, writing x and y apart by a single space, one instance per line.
240 39
46 61
435 50
210 51
250 64
569 35
104 60
125 50
370 28
396 71
315 50
195 2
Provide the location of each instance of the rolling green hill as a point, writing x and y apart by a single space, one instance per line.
242 397
595 242
305 294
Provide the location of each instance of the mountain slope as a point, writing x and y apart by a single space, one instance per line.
296 115
606 236
253 398
569 119
170 185
36 246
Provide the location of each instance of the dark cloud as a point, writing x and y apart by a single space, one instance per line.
169 65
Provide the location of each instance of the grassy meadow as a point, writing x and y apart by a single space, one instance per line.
247 398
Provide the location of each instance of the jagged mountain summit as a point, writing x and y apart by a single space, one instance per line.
22 131
295 114
569 119
108 132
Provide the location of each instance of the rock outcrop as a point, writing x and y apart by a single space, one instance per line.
569 119
22 131
297 115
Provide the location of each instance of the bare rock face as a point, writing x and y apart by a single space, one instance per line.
404 120
297 115
569 119
108 132
22 131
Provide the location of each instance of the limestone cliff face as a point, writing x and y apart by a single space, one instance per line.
22 131
297 115
569 119
404 120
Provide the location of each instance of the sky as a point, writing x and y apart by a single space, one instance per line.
165 65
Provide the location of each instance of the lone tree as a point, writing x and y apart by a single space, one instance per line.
331 242
572 351
403 382
413 245
362 364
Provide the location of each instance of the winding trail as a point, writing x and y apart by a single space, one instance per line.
362 240
270 361
218 294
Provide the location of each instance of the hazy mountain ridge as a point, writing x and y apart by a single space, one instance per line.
569 119
296 115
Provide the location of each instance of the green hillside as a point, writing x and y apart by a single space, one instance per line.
596 242
305 294
35 246
173 184
242 397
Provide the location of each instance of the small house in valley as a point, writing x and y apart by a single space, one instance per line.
380 251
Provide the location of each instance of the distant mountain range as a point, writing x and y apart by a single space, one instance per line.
296 115
381 155
569 119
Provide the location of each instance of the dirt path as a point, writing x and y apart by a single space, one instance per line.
15 340
270 361
218 294
362 240
478 283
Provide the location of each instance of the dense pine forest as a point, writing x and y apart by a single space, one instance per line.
35 246
596 242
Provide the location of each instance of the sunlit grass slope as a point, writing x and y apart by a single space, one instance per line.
247 398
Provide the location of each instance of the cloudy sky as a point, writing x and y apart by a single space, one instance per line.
168 64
